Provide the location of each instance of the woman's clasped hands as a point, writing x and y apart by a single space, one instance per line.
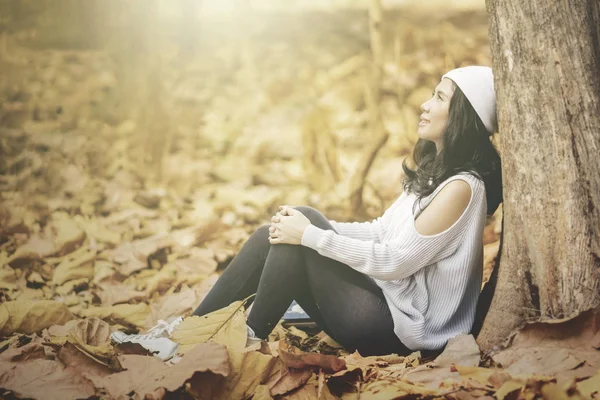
287 226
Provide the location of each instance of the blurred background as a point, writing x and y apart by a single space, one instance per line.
138 119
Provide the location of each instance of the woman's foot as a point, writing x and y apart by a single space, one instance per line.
156 340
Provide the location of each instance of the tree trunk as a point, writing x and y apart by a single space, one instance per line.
546 62
378 133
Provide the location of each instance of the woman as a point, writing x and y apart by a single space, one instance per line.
406 281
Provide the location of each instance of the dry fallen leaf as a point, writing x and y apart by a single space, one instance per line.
181 303
460 350
146 374
283 379
132 315
589 387
36 248
248 371
68 236
44 379
118 293
94 228
389 389
226 326
294 358
554 347
27 352
31 315
161 281
262 393
134 256
80 266
8 278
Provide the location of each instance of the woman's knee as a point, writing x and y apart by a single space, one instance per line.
261 233
314 215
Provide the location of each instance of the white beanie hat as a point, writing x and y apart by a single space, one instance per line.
477 83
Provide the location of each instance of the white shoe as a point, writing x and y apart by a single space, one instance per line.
156 340
251 337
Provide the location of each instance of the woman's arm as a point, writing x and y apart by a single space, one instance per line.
367 231
441 227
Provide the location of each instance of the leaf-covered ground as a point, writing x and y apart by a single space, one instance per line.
93 240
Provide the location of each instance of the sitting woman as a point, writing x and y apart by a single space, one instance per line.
406 281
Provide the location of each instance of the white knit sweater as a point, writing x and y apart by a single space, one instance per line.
431 283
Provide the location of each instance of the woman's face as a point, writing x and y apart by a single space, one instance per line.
434 118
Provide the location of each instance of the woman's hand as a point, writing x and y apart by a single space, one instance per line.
287 226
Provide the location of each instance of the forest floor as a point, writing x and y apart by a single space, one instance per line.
96 235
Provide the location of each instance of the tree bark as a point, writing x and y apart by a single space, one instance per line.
546 62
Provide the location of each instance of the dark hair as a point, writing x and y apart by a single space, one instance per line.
466 148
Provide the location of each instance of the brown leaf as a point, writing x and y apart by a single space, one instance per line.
202 261
322 388
460 350
390 389
430 375
44 379
306 392
294 358
183 302
36 248
72 356
27 352
86 342
553 347
118 293
381 361
134 256
283 379
146 374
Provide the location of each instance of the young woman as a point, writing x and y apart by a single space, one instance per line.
406 281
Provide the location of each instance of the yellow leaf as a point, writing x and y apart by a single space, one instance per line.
8 278
69 287
389 389
253 370
103 353
589 386
95 229
551 391
481 375
81 266
262 393
507 388
125 314
68 234
226 326
31 316
162 280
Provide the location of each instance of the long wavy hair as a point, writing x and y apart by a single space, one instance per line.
466 148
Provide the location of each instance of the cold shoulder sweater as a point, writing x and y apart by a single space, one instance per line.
431 283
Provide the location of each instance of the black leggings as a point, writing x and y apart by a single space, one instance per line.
345 303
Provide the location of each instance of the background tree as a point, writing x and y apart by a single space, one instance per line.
546 61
